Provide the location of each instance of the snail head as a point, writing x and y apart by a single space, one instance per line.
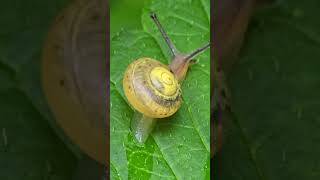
180 62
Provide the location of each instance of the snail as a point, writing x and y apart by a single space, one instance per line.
230 22
153 88
74 78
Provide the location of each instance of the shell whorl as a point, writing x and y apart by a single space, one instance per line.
151 88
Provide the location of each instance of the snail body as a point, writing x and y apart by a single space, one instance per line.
153 89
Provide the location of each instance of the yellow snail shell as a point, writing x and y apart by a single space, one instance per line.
151 88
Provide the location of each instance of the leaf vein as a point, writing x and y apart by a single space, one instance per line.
190 22
194 123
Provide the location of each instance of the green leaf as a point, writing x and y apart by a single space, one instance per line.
179 145
275 88
120 20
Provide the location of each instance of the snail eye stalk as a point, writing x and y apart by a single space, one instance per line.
173 49
165 36
197 52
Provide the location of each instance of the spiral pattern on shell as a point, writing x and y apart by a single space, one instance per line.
151 88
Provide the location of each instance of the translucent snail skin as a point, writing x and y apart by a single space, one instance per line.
153 89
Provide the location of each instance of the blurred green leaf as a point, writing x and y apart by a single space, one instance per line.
125 14
29 149
179 146
275 88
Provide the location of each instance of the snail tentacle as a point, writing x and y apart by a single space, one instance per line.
197 52
165 36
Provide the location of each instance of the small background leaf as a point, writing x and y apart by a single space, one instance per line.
179 146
